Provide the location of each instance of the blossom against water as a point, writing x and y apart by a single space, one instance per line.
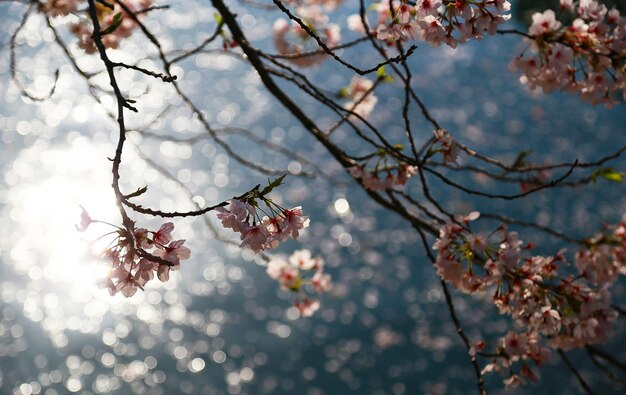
164 235
586 56
302 275
61 7
292 41
136 256
259 234
294 221
174 252
256 237
307 307
115 21
544 23
383 172
436 21
360 93
554 308
449 148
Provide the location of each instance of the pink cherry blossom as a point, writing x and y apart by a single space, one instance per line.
142 239
85 220
163 272
292 40
432 30
449 148
235 215
294 221
302 260
307 307
591 9
163 236
321 282
174 252
544 23
61 7
427 7
256 238
83 29
294 275
145 271
362 98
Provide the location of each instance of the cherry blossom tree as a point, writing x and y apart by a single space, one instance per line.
554 302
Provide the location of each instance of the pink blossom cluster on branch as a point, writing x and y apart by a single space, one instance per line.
139 256
446 145
115 22
292 40
587 57
294 275
542 294
437 21
361 96
385 174
258 233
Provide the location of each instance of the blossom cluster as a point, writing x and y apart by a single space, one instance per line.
384 175
138 255
326 4
439 21
258 233
293 41
562 309
115 22
361 96
294 274
587 57
605 258
447 146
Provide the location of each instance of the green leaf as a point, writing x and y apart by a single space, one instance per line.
117 21
520 161
138 192
380 73
218 17
608 174
344 92
273 184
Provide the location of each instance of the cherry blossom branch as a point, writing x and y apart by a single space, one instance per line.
607 357
329 51
161 76
463 336
257 140
318 51
579 377
13 67
501 196
545 229
604 369
121 104
202 46
199 114
210 226
256 62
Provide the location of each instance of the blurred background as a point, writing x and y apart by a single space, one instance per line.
221 325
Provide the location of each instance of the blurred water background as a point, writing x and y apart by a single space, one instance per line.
221 326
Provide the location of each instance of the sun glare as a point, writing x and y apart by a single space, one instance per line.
45 205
